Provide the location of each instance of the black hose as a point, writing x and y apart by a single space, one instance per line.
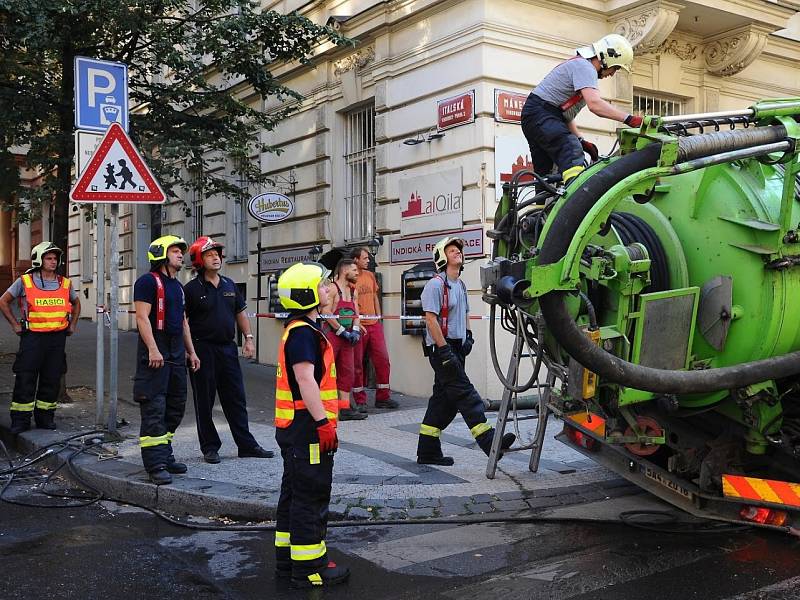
659 521
590 311
631 228
606 365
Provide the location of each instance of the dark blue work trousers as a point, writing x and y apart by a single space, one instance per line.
550 139
161 394
453 393
220 373
302 509
38 367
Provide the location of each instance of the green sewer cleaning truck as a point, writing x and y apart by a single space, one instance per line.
657 300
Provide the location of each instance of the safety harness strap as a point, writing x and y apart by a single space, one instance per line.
160 302
443 313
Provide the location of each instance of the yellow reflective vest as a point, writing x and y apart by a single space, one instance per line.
47 310
285 404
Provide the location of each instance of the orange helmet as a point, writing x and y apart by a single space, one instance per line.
201 245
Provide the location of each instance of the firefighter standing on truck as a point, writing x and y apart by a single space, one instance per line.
448 342
306 410
548 116
165 345
49 311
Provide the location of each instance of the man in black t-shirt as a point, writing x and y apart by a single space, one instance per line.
214 307
165 345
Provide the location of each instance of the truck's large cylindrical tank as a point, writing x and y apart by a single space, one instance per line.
724 221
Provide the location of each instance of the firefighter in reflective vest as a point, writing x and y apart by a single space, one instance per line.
49 310
165 346
548 116
306 411
448 342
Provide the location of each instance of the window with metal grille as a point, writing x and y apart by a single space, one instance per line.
195 216
238 232
359 176
647 103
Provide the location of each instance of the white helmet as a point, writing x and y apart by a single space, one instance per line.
439 256
612 50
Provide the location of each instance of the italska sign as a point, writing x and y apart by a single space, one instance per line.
270 207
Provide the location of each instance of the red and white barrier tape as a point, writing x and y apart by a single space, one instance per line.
283 315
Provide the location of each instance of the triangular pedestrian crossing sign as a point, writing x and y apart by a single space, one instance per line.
117 173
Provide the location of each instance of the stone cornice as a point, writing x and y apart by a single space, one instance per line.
648 26
730 53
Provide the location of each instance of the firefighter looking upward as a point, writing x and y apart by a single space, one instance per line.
214 308
448 342
306 411
165 345
50 308
548 117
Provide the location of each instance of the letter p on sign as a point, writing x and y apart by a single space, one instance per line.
96 77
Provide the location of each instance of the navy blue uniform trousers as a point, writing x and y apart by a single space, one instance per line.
453 394
161 394
220 373
549 138
305 494
38 367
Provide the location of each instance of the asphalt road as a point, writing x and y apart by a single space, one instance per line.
111 551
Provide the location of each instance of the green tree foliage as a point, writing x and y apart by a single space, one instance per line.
198 70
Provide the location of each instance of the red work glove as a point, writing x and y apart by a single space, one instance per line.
633 121
328 442
590 149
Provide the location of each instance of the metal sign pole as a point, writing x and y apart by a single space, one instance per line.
100 239
258 290
114 312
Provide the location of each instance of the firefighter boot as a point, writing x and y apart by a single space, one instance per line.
331 575
429 452
45 419
20 421
485 442
160 477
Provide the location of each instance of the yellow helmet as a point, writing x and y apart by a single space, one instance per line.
439 257
38 252
612 50
159 246
297 285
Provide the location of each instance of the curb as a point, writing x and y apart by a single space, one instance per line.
126 482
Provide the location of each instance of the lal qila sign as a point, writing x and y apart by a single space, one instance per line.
431 202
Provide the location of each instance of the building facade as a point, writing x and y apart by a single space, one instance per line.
411 133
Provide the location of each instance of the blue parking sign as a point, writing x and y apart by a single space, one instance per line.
101 94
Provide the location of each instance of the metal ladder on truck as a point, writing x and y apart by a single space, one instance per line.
508 402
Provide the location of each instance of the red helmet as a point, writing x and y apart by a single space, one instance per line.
201 245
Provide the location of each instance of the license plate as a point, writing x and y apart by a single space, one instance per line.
651 473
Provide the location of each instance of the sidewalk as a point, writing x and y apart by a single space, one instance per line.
375 473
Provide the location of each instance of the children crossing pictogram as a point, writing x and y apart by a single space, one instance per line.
117 173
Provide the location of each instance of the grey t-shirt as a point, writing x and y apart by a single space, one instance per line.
17 290
563 82
457 306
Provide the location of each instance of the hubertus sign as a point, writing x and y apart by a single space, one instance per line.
455 111
508 106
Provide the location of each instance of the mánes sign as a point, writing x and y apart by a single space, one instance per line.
270 207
